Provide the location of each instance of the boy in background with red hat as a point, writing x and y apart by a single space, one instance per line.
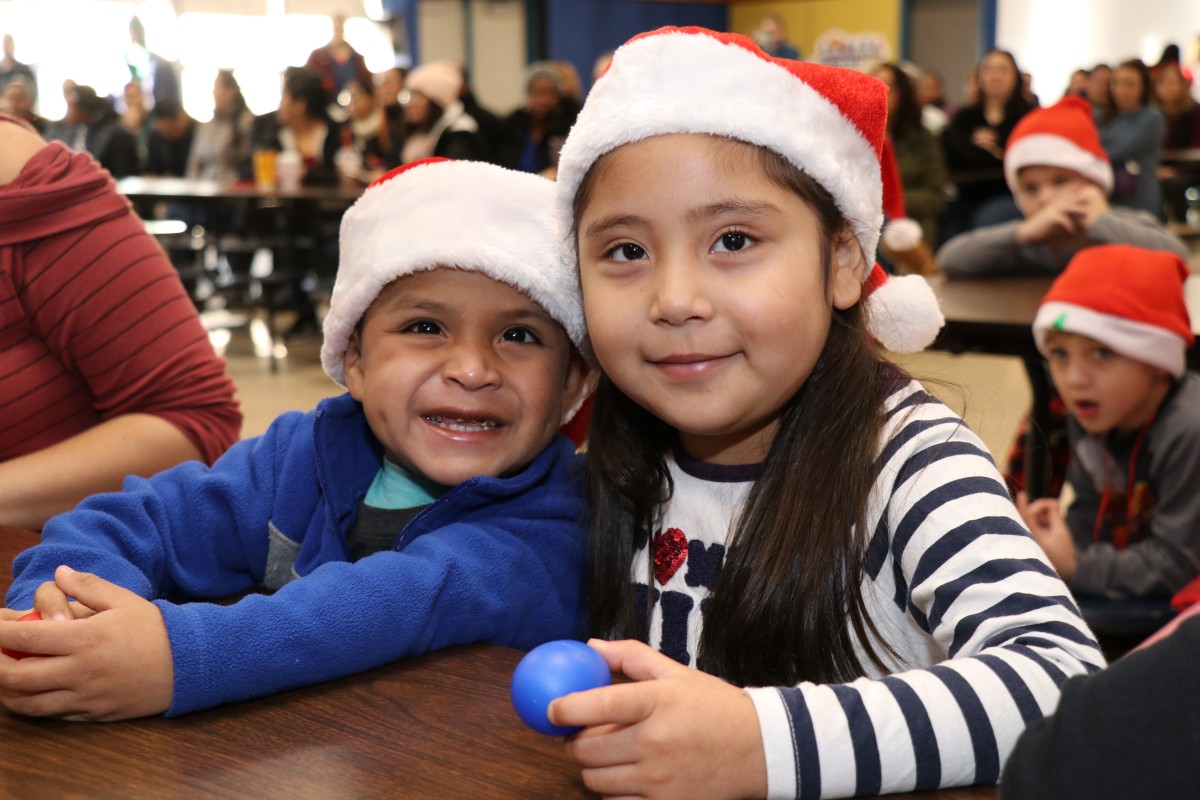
1116 330
1060 177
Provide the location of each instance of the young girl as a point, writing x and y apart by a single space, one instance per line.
791 510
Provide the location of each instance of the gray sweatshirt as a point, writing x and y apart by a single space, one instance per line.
1168 464
994 250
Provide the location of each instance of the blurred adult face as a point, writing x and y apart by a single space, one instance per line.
929 90
417 109
997 78
134 97
1169 85
290 109
1097 85
223 96
387 87
15 101
1127 89
543 96
362 102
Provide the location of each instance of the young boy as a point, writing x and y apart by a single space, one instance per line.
1115 329
434 504
1060 177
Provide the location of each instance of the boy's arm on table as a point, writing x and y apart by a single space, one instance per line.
994 250
1136 228
192 529
516 585
971 576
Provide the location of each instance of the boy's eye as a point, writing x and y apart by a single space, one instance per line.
731 242
520 335
627 252
1102 353
423 326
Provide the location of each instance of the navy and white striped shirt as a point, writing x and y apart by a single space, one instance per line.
985 630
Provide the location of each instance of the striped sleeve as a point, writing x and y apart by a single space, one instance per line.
986 631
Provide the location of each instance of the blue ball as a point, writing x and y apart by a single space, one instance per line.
550 671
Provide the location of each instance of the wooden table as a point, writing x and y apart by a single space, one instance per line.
995 315
436 726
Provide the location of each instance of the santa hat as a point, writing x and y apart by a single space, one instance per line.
1063 135
440 81
460 214
828 122
1129 298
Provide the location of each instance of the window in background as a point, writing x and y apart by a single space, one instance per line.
86 41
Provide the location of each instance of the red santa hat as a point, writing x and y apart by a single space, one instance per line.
1129 298
828 122
460 214
1062 135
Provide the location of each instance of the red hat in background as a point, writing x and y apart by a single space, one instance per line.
1062 135
1129 298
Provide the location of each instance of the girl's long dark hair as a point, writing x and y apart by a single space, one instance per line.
793 571
906 121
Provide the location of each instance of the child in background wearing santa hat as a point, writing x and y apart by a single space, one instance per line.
433 504
774 504
1061 178
1115 330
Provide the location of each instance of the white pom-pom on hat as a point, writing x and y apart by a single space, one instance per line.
901 235
902 311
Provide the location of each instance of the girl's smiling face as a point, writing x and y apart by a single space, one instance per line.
705 290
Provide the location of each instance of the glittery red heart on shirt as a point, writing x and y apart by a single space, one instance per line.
670 551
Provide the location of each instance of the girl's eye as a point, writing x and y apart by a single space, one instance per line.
520 335
1102 354
627 252
731 242
423 326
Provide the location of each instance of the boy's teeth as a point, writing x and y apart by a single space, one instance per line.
463 425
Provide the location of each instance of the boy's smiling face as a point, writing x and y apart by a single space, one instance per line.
461 375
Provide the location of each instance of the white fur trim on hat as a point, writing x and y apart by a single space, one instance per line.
681 82
460 214
1049 150
1150 344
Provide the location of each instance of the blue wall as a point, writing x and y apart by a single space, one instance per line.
580 30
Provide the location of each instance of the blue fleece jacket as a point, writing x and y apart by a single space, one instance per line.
495 559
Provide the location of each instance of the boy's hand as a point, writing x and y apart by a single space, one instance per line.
1049 529
673 733
1066 219
114 664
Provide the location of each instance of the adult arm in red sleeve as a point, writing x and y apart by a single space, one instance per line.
105 369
